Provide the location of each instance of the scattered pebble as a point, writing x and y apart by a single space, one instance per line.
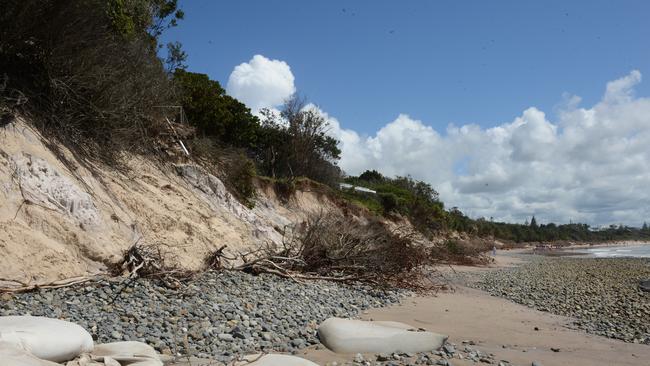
602 294
219 315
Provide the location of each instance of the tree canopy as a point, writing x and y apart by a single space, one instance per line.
214 113
295 143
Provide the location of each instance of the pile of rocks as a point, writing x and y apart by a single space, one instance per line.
603 294
218 315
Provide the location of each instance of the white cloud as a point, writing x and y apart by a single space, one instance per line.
261 83
620 90
590 165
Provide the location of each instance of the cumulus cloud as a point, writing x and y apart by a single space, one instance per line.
592 164
589 164
261 83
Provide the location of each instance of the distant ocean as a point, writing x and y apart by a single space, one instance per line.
637 251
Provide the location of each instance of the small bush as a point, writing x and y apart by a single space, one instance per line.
389 202
240 174
284 188
234 168
453 247
361 199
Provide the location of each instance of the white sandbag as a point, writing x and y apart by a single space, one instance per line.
10 355
129 353
275 360
358 336
46 338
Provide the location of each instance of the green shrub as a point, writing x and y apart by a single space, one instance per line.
232 165
389 202
296 144
240 176
366 200
285 188
214 113
453 247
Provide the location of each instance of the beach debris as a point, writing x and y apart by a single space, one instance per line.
358 336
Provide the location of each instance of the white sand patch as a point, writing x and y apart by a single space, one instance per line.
42 184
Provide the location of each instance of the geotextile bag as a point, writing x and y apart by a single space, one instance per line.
10 355
45 338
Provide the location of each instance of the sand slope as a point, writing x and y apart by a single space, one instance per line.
60 220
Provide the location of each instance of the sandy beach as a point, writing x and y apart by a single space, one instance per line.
501 327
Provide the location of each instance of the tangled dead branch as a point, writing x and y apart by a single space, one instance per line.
333 247
215 260
150 261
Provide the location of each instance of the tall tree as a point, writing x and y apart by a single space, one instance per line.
295 143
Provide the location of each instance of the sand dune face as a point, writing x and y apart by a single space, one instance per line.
60 220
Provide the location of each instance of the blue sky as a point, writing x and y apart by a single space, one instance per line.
439 61
508 108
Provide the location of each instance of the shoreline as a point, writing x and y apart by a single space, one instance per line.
574 249
624 243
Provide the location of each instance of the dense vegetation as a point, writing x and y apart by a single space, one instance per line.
400 195
286 145
420 203
89 74
215 114
86 71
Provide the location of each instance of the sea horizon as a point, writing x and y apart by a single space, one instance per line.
627 251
